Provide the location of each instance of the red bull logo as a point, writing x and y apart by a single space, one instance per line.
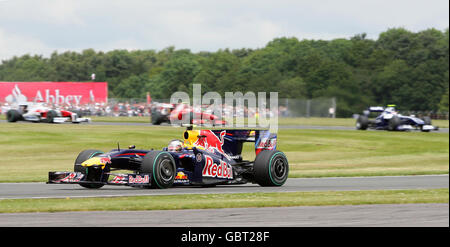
72 177
137 179
181 175
181 178
119 180
222 170
105 160
266 142
208 140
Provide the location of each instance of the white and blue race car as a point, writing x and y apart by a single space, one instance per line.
390 119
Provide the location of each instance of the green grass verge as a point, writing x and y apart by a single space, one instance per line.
29 151
171 202
354 153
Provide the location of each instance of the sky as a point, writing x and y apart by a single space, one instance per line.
40 27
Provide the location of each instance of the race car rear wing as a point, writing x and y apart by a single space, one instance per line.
376 109
234 139
372 109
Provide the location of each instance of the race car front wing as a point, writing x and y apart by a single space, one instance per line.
114 179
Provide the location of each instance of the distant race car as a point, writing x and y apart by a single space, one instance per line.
204 158
35 112
160 113
390 119
183 114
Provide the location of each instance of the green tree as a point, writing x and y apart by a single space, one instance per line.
178 73
132 87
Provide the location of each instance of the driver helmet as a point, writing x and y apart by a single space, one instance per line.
391 109
175 146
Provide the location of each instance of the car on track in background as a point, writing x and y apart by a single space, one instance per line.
37 112
183 114
160 112
203 158
390 119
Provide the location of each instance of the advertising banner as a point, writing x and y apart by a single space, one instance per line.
58 93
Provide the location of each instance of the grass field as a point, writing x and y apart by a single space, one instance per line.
29 151
175 202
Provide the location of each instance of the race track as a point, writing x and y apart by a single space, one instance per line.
406 215
42 190
316 127
441 130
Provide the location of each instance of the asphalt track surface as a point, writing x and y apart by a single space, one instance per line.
311 216
42 190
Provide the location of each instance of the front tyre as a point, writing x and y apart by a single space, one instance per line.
83 156
271 168
162 167
13 116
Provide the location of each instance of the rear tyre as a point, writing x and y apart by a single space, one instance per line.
162 167
50 115
83 156
13 116
362 123
271 168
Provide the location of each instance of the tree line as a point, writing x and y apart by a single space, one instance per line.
409 69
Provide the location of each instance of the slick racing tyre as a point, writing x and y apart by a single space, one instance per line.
83 156
394 122
13 116
162 167
362 123
427 121
156 118
271 168
50 115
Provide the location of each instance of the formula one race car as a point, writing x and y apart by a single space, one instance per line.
204 158
160 113
183 114
40 113
390 119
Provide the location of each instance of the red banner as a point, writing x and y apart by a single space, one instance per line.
59 93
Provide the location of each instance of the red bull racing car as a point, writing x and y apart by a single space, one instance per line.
203 157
